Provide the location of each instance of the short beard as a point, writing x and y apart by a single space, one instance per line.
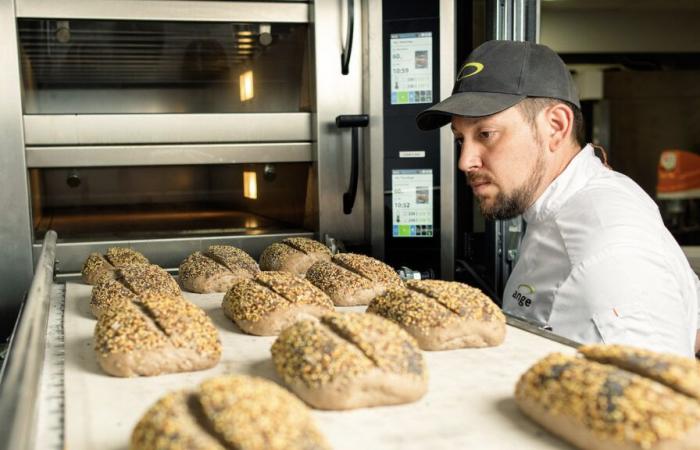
508 206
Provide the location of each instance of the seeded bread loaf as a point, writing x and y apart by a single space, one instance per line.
443 315
350 279
272 301
128 284
293 255
228 413
615 398
154 335
216 269
350 360
98 266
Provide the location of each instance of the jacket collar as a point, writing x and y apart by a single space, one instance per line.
570 181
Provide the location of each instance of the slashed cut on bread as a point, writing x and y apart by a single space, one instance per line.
228 413
443 315
351 279
98 266
154 335
293 255
272 301
350 360
216 269
614 397
129 283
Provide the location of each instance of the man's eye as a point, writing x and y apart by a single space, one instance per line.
486 134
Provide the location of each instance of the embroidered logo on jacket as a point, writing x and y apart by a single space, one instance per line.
523 295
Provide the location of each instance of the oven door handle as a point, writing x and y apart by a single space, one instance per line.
347 48
354 121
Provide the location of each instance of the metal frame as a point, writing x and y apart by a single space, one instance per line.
149 155
209 11
15 226
96 129
23 369
373 97
448 161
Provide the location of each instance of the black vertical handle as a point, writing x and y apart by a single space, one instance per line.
354 122
347 48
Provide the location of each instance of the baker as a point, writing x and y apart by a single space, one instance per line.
597 263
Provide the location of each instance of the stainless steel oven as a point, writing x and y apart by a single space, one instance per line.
168 125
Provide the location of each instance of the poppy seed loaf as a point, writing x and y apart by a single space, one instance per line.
293 255
443 315
216 269
350 360
98 266
351 279
155 334
636 400
228 413
272 301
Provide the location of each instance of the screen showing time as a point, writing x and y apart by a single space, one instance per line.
411 68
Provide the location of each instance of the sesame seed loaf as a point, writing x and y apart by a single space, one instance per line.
350 360
129 282
443 315
272 301
293 255
98 266
216 269
604 406
350 279
154 335
228 413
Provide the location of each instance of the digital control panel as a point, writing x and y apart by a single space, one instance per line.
412 192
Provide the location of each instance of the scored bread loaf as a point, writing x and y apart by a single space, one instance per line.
228 413
128 284
293 255
216 269
631 399
350 360
272 301
98 266
155 334
351 279
443 315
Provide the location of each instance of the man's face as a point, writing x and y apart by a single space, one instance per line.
504 159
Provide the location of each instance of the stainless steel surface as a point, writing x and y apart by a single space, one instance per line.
527 326
336 94
148 155
105 129
516 20
22 373
210 11
448 157
167 253
373 103
15 226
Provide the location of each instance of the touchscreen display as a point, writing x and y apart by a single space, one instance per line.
411 68
412 213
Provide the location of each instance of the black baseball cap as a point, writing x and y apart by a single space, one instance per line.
498 75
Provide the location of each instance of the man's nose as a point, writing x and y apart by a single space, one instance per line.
469 158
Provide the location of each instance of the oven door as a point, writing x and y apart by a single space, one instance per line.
145 121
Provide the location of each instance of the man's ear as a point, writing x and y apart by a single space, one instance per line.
559 121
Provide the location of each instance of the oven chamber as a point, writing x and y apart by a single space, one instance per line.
168 126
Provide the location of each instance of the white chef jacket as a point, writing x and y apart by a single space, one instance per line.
597 264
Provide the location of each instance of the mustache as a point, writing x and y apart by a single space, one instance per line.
476 178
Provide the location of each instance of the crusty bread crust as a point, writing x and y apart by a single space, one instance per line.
96 267
583 438
167 359
460 334
285 257
279 319
373 388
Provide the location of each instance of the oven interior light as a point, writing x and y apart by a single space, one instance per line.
246 83
250 184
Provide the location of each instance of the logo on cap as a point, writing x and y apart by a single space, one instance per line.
476 66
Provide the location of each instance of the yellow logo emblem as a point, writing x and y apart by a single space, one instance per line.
477 67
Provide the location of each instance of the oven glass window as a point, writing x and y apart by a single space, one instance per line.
160 201
121 67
